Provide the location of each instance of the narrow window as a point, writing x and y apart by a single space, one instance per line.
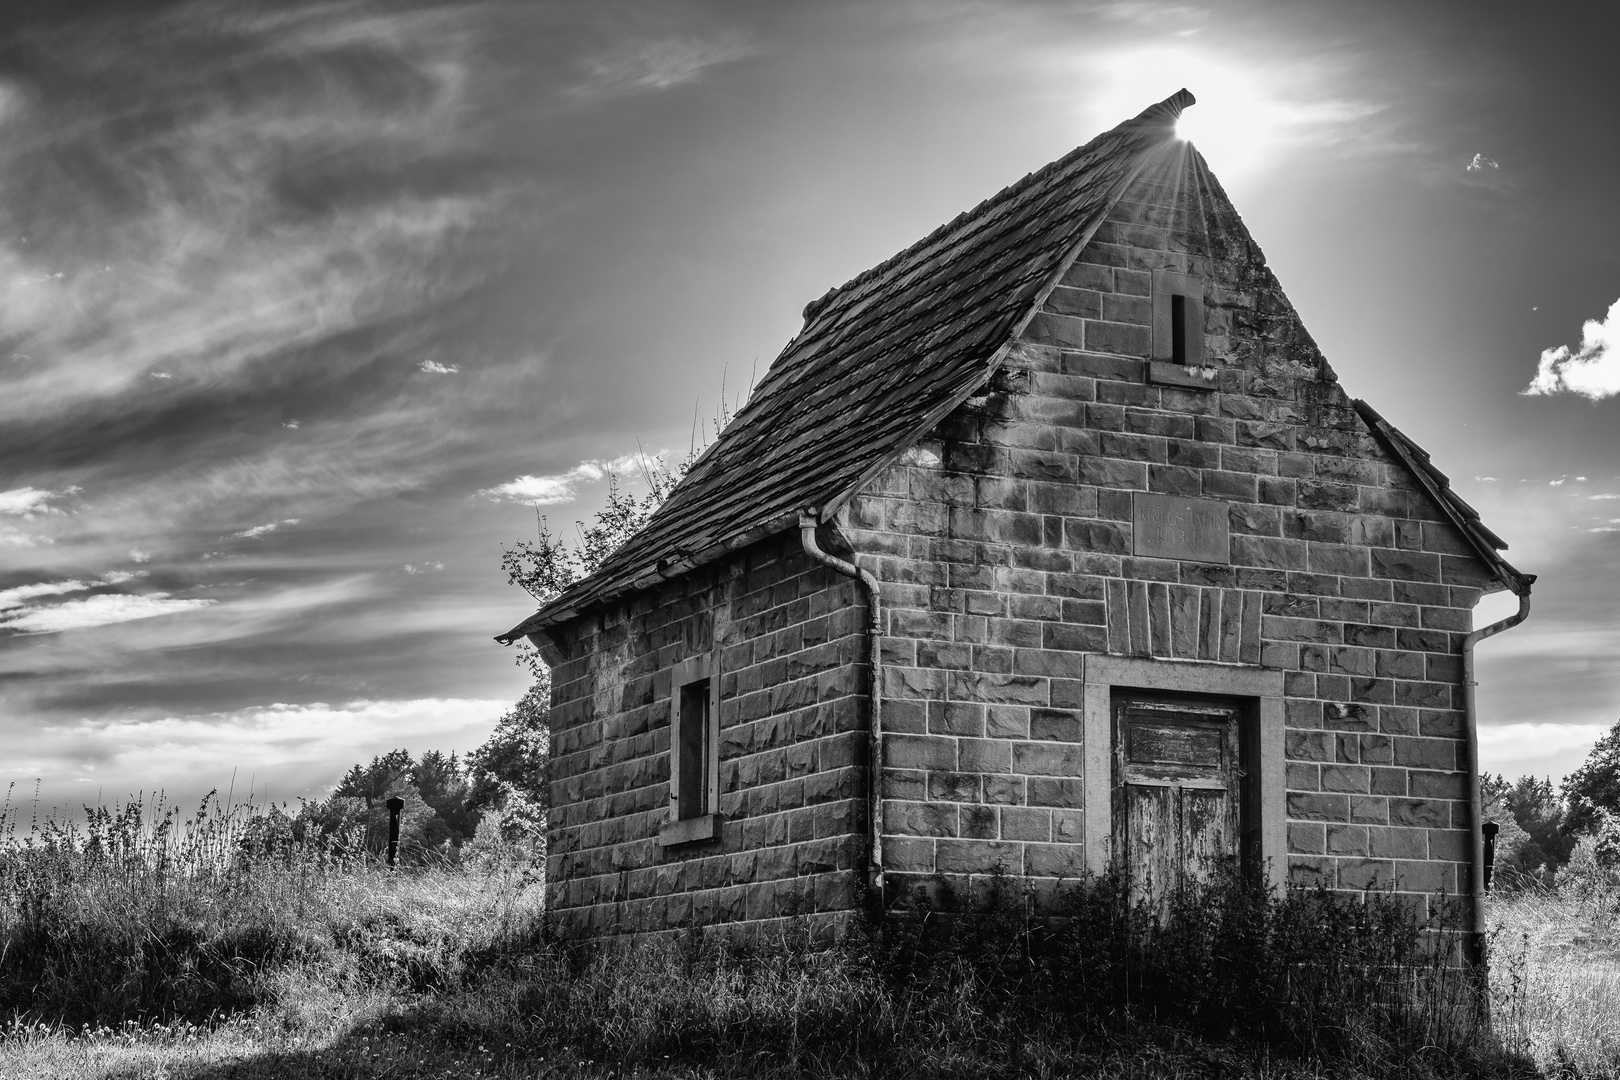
694 752
692 794
1178 329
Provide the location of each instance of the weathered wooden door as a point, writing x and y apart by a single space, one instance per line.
1177 790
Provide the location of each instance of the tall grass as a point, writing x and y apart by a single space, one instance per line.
141 931
1556 975
140 912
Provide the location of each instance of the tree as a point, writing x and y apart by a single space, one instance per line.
509 770
1592 792
438 816
547 566
1539 843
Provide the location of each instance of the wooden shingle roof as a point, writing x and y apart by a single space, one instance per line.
879 362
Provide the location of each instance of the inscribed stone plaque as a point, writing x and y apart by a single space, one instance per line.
1171 527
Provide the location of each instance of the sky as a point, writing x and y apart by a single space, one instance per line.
308 308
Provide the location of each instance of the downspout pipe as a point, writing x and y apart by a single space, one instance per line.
808 521
1476 800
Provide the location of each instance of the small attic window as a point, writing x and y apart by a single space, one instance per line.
1178 331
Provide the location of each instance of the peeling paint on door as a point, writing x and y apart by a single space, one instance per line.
1177 787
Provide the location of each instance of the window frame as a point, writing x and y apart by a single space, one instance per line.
701 823
1167 367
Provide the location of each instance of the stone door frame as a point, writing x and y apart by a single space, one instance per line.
1263 686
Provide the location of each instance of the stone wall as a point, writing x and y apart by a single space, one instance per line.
791 640
1004 544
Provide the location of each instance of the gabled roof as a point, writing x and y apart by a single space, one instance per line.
1485 543
880 361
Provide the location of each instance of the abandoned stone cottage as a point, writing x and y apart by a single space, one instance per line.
1051 541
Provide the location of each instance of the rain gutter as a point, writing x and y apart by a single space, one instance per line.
1476 801
808 521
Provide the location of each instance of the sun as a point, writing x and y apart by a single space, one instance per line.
1247 115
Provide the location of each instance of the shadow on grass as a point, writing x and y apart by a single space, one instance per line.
1227 982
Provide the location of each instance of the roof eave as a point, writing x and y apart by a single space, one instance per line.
1462 517
565 608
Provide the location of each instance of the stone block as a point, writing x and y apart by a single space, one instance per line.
1399 843
1365 874
977 856
919 819
1347 778
1306 838
1437 785
1420 753
984 755
1078 303
1419 813
953 787
1404 565
930 752
977 821
1026 823
1124 339
1304 806
998 689
1007 722
1346 840
1056 724
1047 759
1369 810
1067 792
1453 844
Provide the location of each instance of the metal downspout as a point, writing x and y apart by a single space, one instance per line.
1476 800
808 520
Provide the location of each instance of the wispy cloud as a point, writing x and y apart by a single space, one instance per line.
1592 370
28 501
548 490
16 596
258 531
640 65
1481 163
101 610
434 368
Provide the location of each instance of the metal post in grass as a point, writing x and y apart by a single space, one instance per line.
395 805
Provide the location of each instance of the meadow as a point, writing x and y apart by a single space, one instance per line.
145 943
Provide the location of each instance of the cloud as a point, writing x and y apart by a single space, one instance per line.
28 501
1481 162
423 568
653 64
433 368
14 597
263 530
101 610
287 744
1593 370
561 487
1537 748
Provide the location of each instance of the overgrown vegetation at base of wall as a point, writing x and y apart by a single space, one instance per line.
228 928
